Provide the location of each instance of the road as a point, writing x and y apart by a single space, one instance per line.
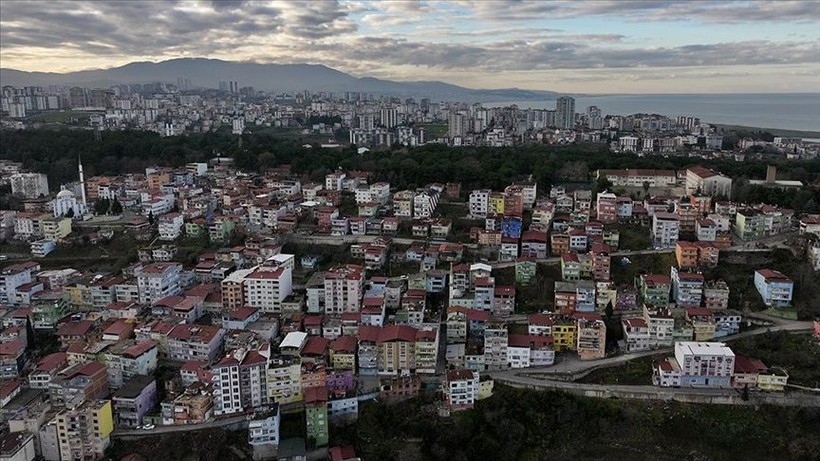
569 367
179 428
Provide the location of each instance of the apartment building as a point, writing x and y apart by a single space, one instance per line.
665 229
606 207
460 389
156 281
195 342
687 288
343 289
396 346
654 289
775 288
590 337
265 288
636 334
84 432
12 277
240 381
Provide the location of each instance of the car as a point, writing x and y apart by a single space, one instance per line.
148 427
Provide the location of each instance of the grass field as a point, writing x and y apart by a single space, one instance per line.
61 117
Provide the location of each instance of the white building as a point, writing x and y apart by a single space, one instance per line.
66 203
266 288
29 185
157 281
775 288
11 277
705 364
170 226
265 431
708 182
461 389
665 229
479 200
424 204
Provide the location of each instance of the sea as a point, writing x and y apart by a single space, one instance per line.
786 111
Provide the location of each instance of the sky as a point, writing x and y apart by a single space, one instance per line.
617 46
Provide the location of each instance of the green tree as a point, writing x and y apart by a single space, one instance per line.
69 213
116 207
151 218
102 206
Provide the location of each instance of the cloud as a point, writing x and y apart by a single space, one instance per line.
404 39
706 11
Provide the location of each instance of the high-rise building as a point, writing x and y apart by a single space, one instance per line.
389 118
457 124
565 112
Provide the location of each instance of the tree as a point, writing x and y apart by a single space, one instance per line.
116 207
102 206
151 218
646 188
69 213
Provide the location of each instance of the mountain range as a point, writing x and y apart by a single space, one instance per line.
280 78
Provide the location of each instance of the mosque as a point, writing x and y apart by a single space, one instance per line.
66 200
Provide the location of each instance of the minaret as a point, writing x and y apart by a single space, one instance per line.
82 182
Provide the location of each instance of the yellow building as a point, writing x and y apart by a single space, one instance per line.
773 379
54 228
84 432
485 389
495 204
343 353
79 295
703 331
563 335
284 379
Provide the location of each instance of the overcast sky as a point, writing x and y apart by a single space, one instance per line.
587 46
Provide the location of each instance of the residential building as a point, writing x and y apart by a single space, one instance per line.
654 289
343 289
129 358
84 432
687 288
703 181
267 287
134 400
704 364
665 229
158 280
775 288
591 336
661 326
240 381
77 384
396 350
716 295
316 416
460 389
636 334
195 342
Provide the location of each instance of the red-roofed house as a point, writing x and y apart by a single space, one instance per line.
12 358
71 331
118 331
79 383
343 353
46 369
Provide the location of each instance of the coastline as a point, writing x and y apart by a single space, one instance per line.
775 131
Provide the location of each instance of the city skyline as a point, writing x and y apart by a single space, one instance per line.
572 47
